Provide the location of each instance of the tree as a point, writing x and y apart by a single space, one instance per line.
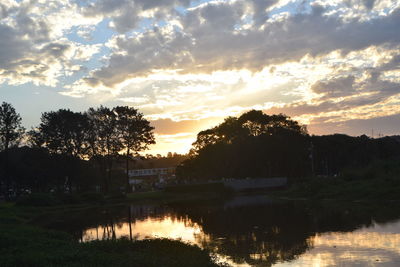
104 139
250 124
63 132
251 145
11 132
134 132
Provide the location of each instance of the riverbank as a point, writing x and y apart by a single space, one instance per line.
376 183
24 241
24 244
177 193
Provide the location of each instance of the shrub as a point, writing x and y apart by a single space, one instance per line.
92 197
38 199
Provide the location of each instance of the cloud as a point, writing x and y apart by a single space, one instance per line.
335 87
182 62
382 125
170 127
32 43
127 15
211 38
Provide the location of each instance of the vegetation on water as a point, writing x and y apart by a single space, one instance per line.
22 244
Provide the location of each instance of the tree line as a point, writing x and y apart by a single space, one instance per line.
72 142
259 145
79 150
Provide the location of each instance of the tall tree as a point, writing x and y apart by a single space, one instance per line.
250 124
11 132
104 139
63 132
253 144
134 131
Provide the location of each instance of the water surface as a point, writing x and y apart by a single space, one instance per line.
255 231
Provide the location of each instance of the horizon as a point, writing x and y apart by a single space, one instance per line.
187 65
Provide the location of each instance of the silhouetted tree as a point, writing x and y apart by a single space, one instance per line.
134 132
104 139
254 144
65 133
251 124
11 132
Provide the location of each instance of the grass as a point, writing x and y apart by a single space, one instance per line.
170 194
23 244
379 181
175 196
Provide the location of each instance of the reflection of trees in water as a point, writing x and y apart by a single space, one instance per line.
260 235
76 222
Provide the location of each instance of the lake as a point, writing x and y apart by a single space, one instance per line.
255 231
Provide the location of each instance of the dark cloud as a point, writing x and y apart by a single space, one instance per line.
381 125
11 46
336 87
54 49
127 14
369 3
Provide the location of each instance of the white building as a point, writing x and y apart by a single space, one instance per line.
154 175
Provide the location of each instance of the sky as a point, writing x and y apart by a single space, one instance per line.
186 65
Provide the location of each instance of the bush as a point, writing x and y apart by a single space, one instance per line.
116 196
92 197
196 188
39 199
69 199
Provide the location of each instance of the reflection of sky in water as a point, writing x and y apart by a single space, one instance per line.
378 245
374 246
165 227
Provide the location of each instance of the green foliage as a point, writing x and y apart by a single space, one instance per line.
39 199
92 197
26 245
53 199
10 126
116 196
379 181
197 188
72 151
63 132
252 145
159 252
260 145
